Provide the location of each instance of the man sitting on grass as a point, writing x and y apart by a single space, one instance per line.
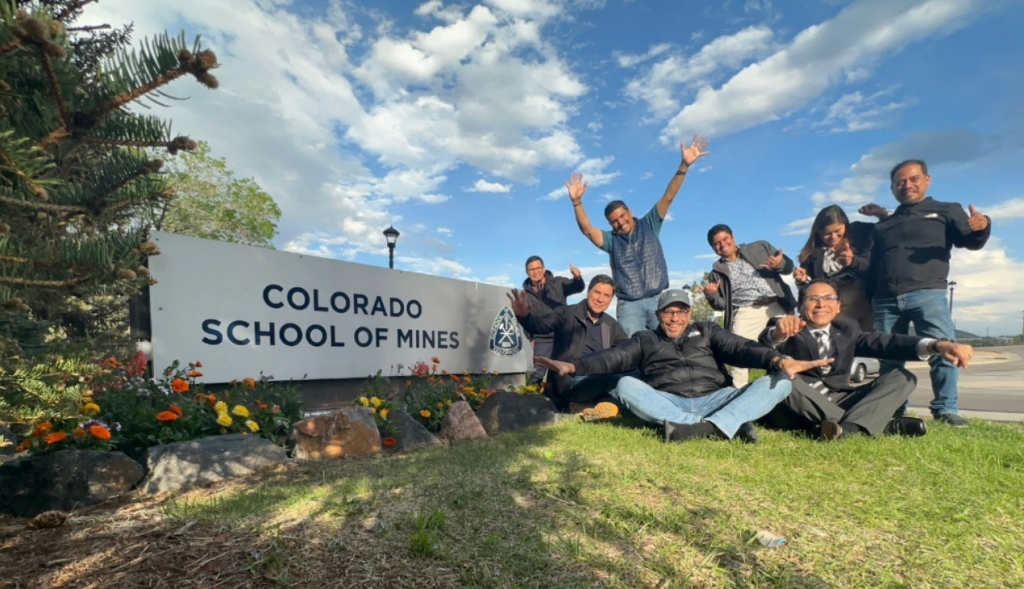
684 385
823 400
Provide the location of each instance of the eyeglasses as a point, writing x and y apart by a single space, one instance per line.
676 313
821 298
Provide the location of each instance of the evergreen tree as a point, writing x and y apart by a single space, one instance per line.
75 172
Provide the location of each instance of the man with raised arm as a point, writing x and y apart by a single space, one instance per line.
910 261
634 249
546 292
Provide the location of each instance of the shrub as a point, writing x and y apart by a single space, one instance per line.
428 394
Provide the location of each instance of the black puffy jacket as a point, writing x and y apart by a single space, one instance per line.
691 366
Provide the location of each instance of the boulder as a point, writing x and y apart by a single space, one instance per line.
505 411
182 465
8 441
65 480
410 433
351 431
461 424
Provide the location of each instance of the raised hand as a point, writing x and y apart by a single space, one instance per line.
577 187
774 261
959 354
793 367
574 270
787 327
800 275
977 221
562 368
520 306
695 151
844 253
708 289
873 210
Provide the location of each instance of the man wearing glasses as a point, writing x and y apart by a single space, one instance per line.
823 402
683 385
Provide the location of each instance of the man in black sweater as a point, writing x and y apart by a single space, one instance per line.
911 266
546 292
683 384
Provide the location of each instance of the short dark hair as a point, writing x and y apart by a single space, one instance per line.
904 163
716 230
601 279
614 206
533 259
803 289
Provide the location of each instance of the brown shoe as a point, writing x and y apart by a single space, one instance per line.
603 410
831 430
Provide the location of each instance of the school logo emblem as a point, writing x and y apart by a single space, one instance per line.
506 338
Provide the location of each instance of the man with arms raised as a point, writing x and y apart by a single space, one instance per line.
577 330
823 401
633 246
746 283
547 292
911 267
683 384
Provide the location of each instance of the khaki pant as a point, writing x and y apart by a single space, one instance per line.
749 322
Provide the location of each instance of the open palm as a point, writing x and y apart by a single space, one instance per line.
695 151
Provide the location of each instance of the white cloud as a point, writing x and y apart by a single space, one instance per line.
594 175
435 266
798 227
1011 209
706 257
630 59
445 231
856 112
485 186
849 45
788 188
989 283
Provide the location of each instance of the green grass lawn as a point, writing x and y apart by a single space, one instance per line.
584 505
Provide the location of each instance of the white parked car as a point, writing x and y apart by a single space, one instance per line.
862 367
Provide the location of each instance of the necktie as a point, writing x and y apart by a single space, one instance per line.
817 383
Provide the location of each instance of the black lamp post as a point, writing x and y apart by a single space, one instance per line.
391 234
952 285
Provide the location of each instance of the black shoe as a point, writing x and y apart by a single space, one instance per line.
747 434
677 432
831 430
952 419
906 426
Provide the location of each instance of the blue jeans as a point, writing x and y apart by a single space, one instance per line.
636 316
929 312
727 408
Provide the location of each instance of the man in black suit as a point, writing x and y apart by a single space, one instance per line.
823 398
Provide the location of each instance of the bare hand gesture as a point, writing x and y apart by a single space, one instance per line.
520 306
800 275
695 151
844 253
562 368
793 367
574 270
787 327
708 289
873 210
977 221
577 187
959 354
774 261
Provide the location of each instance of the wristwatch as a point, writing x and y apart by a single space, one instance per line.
779 360
933 347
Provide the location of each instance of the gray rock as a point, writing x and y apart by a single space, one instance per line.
505 411
347 432
410 433
460 423
65 480
9 441
180 465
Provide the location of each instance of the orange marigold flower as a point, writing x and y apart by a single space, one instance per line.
408 383
166 416
99 432
110 362
249 383
22 446
42 428
211 400
445 372
435 360
199 364
179 385
456 378
55 437
233 382
424 413
176 410
194 374
78 433
389 442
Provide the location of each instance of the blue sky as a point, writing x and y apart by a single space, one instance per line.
458 122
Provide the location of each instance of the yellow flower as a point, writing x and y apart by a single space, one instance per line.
449 402
221 407
384 413
376 402
364 401
224 420
240 411
90 409
425 413
252 425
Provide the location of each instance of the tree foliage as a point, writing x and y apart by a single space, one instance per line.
75 172
210 202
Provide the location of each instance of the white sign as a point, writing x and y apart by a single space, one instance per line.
242 310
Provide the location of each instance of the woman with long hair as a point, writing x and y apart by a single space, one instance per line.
841 252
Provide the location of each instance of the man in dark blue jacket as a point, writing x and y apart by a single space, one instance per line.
547 292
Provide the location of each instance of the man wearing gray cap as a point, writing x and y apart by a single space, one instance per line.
683 383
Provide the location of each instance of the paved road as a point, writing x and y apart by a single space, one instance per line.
992 387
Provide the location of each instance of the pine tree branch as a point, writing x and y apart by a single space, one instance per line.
180 143
198 65
150 167
14 259
45 283
40 206
88 29
54 137
51 77
9 46
72 8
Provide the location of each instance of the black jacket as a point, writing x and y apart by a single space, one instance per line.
912 246
567 324
858 274
691 366
756 254
847 341
552 295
